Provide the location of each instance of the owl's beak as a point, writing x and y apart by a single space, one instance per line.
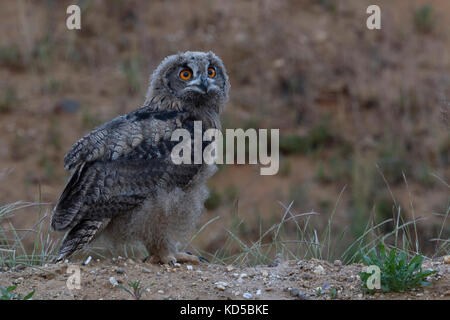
203 85
200 84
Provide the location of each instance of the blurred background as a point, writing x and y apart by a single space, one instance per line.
363 114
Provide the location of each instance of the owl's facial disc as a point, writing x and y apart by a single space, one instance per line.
198 79
200 85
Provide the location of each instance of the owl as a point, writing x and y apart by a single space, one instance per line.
124 186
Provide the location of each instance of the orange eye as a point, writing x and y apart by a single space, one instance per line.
211 72
185 74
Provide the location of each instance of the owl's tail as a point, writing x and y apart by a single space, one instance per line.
77 238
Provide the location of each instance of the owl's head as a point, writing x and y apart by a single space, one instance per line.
198 79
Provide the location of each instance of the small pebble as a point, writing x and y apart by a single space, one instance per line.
319 270
294 292
337 263
306 276
113 282
67 106
86 262
230 268
302 296
221 285
326 286
190 268
19 267
447 259
258 292
247 295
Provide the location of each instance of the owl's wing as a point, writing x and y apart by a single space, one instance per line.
106 189
121 136
108 166
114 169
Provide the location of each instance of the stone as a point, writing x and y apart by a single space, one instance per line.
247 295
67 106
319 270
294 292
337 263
113 281
221 285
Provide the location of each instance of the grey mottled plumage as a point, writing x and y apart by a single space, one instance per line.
124 186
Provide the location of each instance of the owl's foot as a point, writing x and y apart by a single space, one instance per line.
179 257
183 257
169 259
200 258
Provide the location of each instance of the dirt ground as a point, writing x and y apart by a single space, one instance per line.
304 280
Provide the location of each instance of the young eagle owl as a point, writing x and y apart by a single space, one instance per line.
124 186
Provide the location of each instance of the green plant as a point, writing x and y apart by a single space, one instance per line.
319 292
135 290
424 19
8 99
329 5
290 144
90 120
11 57
333 293
13 250
131 71
8 294
397 274
214 200
319 136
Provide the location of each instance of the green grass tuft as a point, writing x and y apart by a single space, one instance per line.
397 273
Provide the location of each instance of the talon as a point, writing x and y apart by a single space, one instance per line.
200 258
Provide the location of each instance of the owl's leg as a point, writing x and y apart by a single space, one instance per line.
162 251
